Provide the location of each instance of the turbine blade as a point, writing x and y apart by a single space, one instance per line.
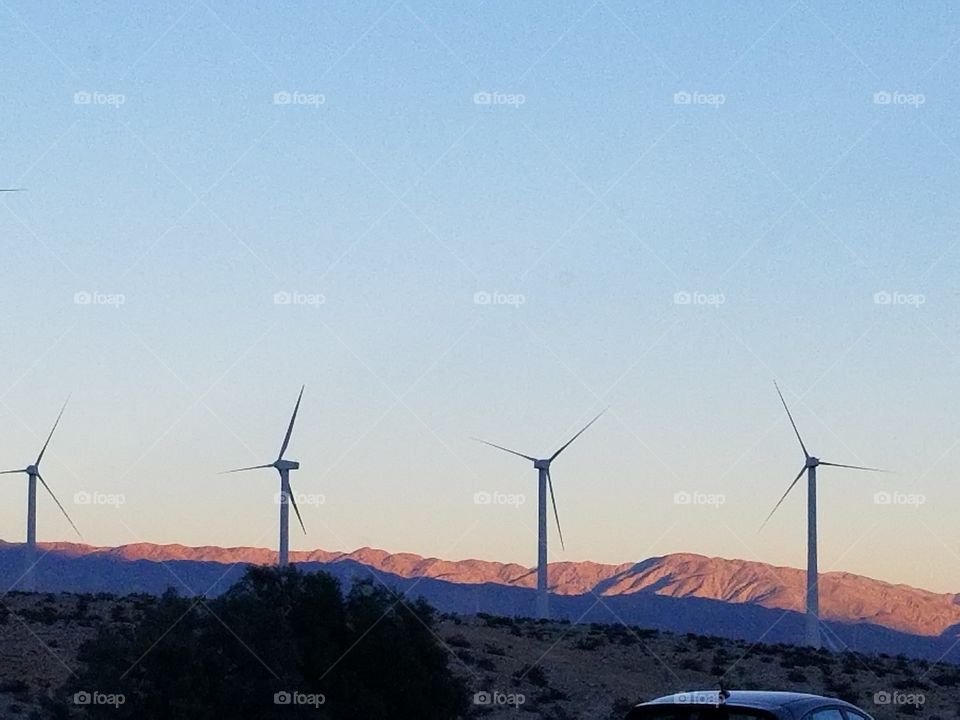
295 508
854 467
500 447
286 438
243 469
57 422
556 516
805 453
775 507
12 189
69 520
10 472
564 447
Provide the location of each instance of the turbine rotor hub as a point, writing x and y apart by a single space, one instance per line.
812 461
33 470
541 464
282 464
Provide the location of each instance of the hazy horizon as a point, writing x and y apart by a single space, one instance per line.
486 222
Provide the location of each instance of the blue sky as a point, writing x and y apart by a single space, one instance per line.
168 186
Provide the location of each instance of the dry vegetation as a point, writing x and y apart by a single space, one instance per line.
561 670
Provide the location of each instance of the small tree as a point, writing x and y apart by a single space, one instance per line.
277 635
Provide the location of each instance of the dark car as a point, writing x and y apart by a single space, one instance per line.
746 705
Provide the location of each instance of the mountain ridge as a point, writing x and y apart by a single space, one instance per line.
845 597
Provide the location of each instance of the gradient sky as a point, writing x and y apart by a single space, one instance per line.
183 188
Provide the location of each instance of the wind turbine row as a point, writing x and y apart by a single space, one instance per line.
544 486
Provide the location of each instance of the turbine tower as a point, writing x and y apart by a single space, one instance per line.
810 465
545 481
286 497
32 472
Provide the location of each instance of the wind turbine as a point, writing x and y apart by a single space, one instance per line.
543 469
810 465
286 496
32 472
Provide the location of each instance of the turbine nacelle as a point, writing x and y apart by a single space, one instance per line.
282 464
32 470
542 464
812 461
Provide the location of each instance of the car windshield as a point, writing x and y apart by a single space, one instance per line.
697 712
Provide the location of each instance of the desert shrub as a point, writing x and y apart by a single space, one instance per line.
550 695
535 675
458 641
590 642
947 678
45 614
486 664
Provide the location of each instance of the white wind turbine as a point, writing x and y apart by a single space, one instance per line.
810 465
286 497
32 472
543 470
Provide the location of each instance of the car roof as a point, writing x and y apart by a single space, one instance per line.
797 703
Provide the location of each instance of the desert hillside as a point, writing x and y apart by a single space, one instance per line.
553 670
